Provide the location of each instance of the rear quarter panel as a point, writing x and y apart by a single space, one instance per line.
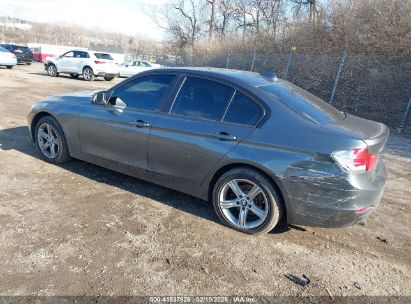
295 153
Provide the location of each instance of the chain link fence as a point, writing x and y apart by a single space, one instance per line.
375 87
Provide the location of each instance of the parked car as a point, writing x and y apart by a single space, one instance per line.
23 53
7 58
89 64
130 68
258 147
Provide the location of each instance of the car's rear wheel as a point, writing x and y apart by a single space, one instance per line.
52 70
9 67
75 76
88 74
246 200
108 78
50 141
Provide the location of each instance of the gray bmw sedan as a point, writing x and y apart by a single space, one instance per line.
258 147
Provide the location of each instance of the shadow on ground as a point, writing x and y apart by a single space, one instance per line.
68 76
17 139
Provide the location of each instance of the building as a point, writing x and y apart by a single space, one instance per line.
42 51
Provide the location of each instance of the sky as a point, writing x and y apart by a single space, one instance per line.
126 16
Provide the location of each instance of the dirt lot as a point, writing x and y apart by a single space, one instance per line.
78 229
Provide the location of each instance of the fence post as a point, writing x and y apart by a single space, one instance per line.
287 68
227 61
252 62
404 118
337 77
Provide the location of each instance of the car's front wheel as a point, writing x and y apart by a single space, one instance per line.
107 78
52 70
246 200
88 74
50 140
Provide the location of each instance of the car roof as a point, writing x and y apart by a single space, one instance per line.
13 45
238 76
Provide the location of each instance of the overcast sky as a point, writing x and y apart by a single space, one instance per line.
125 16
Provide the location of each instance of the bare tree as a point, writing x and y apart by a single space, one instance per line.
212 18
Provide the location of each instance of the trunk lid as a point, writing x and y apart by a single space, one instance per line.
373 133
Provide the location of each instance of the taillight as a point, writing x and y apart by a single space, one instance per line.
356 160
98 62
13 56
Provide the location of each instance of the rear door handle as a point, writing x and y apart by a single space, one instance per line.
225 136
141 124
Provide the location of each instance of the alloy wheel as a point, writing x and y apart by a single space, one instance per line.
52 70
87 74
243 203
48 141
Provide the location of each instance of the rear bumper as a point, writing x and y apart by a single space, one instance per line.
334 202
107 71
24 60
106 74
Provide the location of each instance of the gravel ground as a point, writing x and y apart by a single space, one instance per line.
79 229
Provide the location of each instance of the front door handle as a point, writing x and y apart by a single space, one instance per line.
224 136
142 124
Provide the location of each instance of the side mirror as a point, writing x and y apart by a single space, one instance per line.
99 98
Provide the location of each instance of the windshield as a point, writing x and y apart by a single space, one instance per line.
103 56
302 102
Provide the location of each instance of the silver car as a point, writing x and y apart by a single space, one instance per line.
7 58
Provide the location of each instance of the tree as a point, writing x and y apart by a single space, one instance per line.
212 18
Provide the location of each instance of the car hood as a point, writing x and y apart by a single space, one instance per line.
72 97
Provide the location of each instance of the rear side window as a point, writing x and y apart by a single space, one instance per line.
303 102
103 56
9 47
243 110
143 93
202 98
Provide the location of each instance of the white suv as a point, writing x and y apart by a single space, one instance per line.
87 63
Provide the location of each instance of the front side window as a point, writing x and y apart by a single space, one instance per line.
69 55
143 93
80 54
202 98
243 110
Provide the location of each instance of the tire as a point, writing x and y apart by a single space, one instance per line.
267 202
109 78
52 154
52 70
75 76
88 74
9 67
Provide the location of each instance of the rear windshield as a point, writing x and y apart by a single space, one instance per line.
103 56
302 102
